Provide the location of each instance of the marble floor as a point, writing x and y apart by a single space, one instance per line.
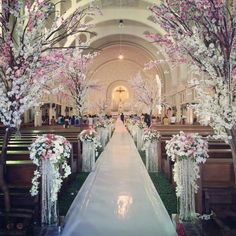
118 198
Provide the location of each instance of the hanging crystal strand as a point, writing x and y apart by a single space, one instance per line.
153 167
139 138
186 179
18 133
49 207
99 131
88 156
102 136
92 156
147 154
135 128
181 178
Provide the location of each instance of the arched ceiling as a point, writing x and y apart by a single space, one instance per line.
137 20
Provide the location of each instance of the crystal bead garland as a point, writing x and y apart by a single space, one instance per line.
151 157
88 156
102 136
186 173
49 214
139 138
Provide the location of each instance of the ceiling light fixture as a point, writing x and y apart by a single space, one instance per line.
121 25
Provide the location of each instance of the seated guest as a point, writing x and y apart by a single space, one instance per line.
165 120
67 122
173 119
53 121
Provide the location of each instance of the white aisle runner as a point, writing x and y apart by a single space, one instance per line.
118 198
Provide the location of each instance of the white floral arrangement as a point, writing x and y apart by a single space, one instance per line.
187 150
57 150
141 125
150 135
184 146
100 124
90 135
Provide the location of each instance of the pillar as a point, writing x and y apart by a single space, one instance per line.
26 117
178 112
38 117
63 108
189 115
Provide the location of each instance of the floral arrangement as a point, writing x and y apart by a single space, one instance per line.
100 124
141 125
187 150
187 146
90 135
55 149
150 135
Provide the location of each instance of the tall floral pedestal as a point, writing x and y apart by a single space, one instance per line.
187 150
49 213
151 156
50 153
186 173
88 156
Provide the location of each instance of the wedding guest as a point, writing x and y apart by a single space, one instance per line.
147 119
67 122
165 120
173 119
122 117
53 121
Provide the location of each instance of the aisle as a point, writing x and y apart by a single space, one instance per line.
118 198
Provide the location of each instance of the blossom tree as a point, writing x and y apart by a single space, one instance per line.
146 91
101 105
74 73
202 34
28 51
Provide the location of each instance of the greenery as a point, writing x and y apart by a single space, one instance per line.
66 197
164 188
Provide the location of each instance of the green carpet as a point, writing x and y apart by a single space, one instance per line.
164 188
67 196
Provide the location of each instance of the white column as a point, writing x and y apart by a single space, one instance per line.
178 112
63 107
50 113
38 117
189 115
26 117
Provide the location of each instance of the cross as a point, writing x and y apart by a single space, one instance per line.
120 90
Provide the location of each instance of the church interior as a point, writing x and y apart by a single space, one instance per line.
118 37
